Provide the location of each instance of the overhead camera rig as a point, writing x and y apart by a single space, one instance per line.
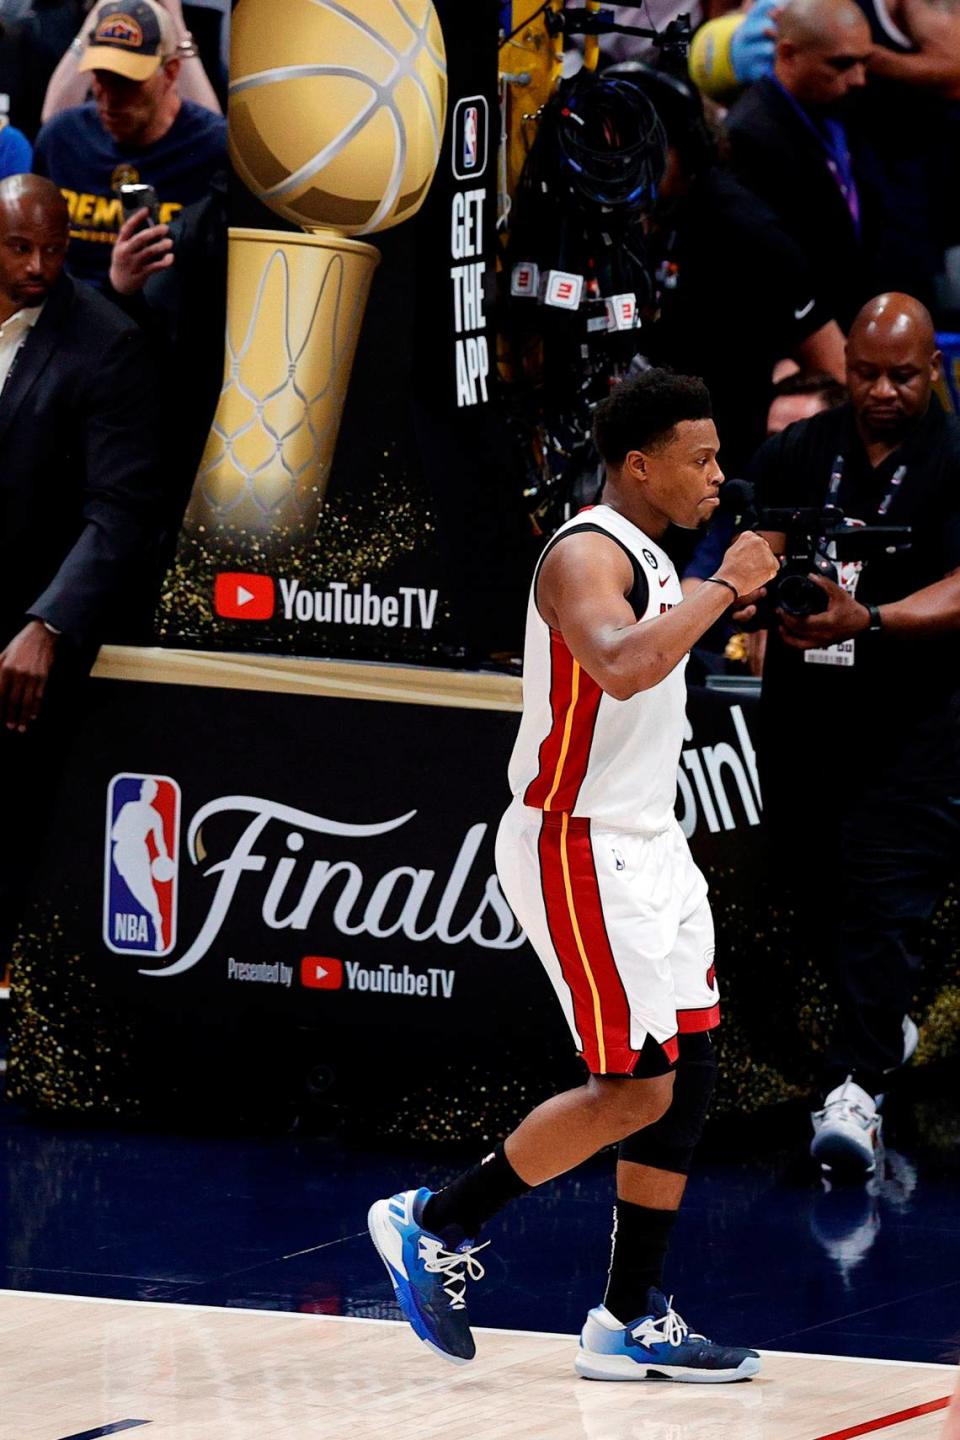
673 38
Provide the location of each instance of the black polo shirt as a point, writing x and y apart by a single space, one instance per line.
897 708
737 296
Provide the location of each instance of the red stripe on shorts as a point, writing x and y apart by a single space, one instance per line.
692 1022
564 751
571 895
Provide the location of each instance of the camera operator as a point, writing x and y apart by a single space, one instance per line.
860 713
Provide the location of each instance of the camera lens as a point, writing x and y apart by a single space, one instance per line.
798 595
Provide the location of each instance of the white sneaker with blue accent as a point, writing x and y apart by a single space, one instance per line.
846 1132
657 1344
428 1279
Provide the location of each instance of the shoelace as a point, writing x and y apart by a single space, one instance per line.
846 1109
457 1266
670 1327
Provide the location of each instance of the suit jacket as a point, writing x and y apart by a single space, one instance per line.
79 473
775 155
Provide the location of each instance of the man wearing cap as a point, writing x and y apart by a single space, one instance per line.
137 129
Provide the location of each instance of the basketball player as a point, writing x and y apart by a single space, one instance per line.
598 873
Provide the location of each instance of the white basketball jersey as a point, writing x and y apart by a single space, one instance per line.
579 750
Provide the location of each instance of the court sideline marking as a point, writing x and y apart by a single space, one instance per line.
477 1329
870 1426
113 1429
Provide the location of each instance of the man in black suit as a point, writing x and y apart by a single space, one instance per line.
791 144
79 494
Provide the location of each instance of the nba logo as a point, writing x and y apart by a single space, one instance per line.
471 137
141 865
469 142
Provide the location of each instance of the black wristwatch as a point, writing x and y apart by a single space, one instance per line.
876 620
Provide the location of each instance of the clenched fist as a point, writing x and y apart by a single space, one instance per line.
749 564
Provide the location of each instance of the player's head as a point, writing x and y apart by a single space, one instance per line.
34 228
148 791
823 47
657 439
892 364
800 396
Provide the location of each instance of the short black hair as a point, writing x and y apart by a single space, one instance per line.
816 382
640 414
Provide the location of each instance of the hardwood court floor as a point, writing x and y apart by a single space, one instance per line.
73 1367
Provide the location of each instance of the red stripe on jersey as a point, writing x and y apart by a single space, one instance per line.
671 1048
691 1022
565 750
574 913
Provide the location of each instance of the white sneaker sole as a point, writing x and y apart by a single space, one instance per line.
591 1366
843 1148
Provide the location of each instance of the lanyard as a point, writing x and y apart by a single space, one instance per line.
832 139
836 477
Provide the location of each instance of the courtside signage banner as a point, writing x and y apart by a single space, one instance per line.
267 851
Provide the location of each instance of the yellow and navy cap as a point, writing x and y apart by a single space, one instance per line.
130 39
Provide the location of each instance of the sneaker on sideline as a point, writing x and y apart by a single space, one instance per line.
846 1132
428 1279
657 1344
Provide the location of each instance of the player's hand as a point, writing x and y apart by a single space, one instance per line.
748 565
747 606
843 618
138 253
25 667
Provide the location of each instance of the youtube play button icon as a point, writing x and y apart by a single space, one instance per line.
243 596
321 972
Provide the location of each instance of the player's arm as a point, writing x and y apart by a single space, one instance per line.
582 592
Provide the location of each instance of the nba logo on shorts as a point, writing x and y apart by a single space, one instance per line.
141 865
471 137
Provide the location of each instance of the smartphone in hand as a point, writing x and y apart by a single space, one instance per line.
136 197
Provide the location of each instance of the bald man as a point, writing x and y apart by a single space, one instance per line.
793 144
860 714
79 489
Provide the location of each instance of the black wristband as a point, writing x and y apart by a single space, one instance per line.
875 624
715 580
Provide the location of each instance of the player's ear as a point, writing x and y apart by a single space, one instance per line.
635 463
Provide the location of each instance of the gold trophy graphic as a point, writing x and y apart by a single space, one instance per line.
336 118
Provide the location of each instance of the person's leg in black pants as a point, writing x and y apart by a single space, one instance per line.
899 852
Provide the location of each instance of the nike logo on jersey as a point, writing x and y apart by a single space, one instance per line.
664 580
804 311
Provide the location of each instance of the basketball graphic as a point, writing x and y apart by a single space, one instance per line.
337 108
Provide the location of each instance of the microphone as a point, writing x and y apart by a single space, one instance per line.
737 500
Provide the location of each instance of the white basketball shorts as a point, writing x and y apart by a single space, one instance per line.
622 925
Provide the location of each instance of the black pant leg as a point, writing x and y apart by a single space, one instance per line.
898 853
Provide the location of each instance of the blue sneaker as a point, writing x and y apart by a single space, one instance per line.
429 1280
658 1344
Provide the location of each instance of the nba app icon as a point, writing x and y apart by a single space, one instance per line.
141 865
470 131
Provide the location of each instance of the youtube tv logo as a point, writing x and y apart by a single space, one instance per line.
244 596
321 972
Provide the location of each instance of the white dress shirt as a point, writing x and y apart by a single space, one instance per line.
13 333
